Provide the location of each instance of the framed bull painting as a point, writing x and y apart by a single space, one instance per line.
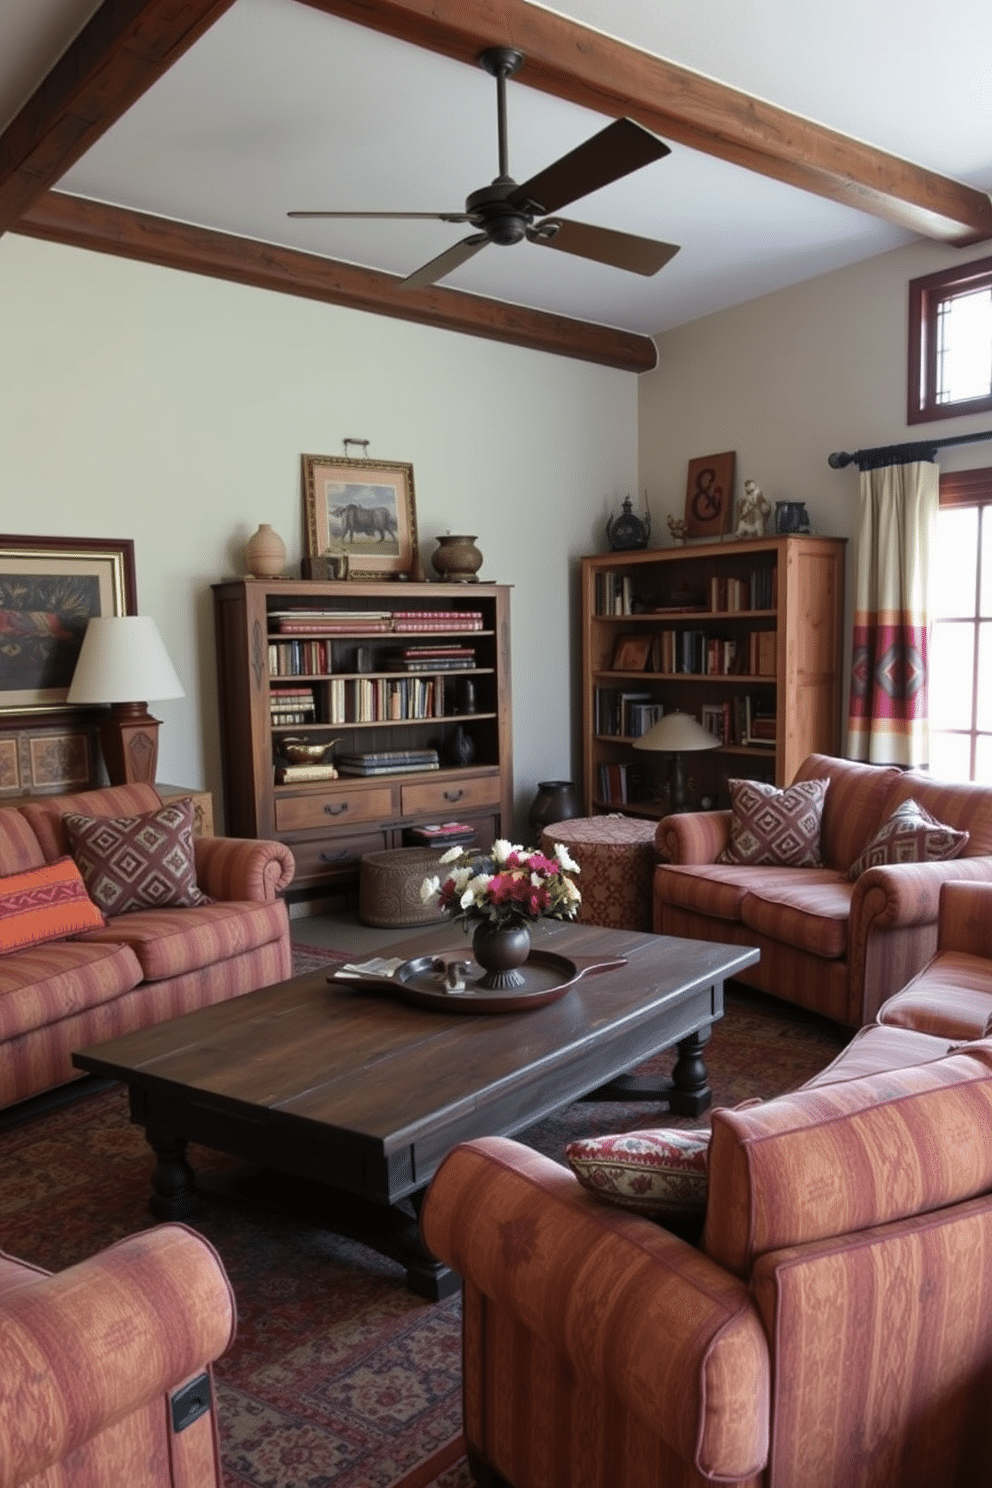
359 517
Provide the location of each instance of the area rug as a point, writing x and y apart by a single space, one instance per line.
339 1377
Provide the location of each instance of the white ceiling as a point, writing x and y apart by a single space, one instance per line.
279 106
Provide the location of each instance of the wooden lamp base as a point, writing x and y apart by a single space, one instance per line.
129 741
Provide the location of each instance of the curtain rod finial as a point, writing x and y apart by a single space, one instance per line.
839 459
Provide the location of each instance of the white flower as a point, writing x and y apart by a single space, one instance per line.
475 890
502 849
571 892
429 888
452 854
565 858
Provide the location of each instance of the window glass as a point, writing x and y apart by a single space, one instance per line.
950 756
950 342
983 759
983 700
952 667
964 347
957 533
985 603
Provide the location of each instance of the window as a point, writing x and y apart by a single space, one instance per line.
950 343
961 630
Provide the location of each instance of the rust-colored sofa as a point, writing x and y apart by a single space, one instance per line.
833 1329
94 1362
142 967
836 947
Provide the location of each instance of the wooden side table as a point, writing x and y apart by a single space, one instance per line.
616 857
203 806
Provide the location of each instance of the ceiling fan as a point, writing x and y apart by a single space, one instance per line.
505 213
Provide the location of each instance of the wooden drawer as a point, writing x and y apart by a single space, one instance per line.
333 808
331 856
452 794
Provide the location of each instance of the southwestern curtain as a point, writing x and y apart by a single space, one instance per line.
888 717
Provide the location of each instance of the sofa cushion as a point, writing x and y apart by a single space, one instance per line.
837 1159
45 984
877 1048
46 903
658 1172
952 996
806 911
19 847
909 835
857 801
780 828
172 942
138 862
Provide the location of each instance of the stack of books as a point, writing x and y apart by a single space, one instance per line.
431 620
388 762
329 622
289 705
288 773
430 658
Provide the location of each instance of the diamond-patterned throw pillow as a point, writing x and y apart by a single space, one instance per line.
44 904
138 862
780 828
661 1173
910 835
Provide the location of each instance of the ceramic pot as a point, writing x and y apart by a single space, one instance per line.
265 554
791 516
457 558
501 952
556 800
460 749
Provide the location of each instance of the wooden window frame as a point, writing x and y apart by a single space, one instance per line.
970 488
925 298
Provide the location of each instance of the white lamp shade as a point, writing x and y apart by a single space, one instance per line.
123 660
675 733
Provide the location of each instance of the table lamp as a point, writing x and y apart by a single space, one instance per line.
677 734
122 658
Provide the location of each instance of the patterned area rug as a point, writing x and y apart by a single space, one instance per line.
339 1377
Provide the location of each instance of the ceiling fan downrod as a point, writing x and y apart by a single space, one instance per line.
501 63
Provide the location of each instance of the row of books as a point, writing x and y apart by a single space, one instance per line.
696 653
742 720
625 714
388 762
758 590
430 659
331 622
411 621
312 657
377 699
623 784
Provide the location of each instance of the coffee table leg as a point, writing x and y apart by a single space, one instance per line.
174 1194
687 1093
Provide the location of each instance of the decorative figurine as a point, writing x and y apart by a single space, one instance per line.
752 510
678 527
627 532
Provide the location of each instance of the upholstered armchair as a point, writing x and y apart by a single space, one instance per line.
105 1375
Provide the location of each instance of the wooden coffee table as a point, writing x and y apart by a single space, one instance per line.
353 1097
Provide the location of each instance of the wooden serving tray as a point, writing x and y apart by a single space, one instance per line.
547 977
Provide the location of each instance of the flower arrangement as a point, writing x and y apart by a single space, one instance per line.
507 887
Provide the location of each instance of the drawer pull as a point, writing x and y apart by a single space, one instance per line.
330 810
326 857
453 795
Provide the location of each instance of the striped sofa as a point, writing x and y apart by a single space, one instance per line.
832 1330
836 947
142 967
105 1368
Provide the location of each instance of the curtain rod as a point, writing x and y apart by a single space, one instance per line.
899 454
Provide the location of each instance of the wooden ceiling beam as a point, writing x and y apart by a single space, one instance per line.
587 67
124 48
59 218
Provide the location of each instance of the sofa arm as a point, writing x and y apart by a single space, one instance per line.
964 922
903 894
693 836
242 867
83 1349
667 1332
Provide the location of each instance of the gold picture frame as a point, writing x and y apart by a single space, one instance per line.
50 588
361 510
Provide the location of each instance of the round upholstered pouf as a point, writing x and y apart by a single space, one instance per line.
616 858
389 887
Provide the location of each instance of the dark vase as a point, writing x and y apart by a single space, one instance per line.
556 800
460 749
501 951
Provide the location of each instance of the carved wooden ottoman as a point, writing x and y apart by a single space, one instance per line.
616 856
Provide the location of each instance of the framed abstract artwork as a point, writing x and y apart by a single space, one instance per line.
361 510
50 588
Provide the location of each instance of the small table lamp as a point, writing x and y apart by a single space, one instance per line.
122 658
676 734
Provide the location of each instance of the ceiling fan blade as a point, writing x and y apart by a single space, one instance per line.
445 263
394 216
620 148
621 250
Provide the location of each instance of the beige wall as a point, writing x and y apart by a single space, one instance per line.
138 402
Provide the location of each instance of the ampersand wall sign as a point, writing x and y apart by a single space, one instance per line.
709 494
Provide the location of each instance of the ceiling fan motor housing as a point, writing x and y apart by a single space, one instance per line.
501 221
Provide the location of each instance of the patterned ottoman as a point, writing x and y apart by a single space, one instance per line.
389 887
617 857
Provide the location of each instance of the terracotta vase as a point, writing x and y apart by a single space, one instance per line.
457 558
501 951
265 553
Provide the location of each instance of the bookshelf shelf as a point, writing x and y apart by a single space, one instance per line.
744 635
344 663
